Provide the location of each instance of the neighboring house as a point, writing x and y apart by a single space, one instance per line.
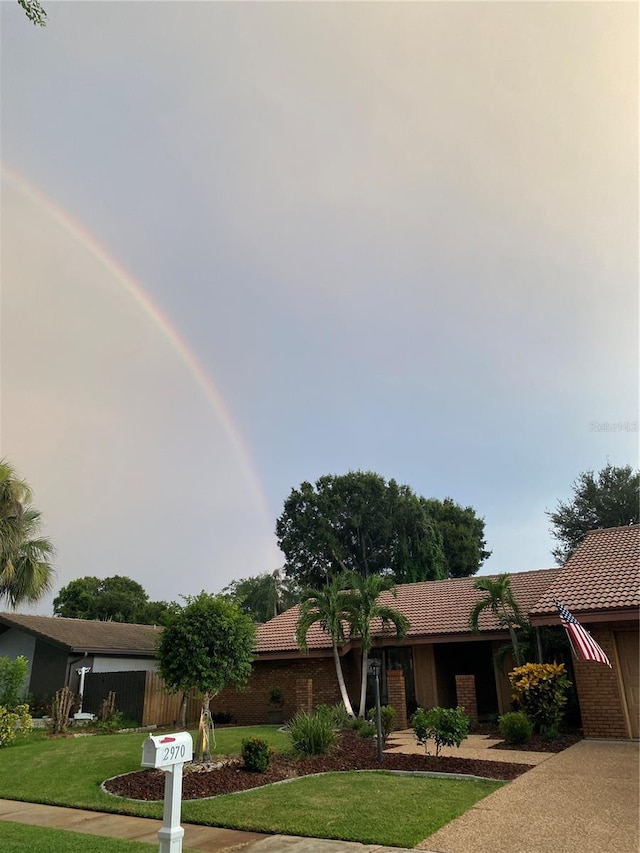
57 648
600 585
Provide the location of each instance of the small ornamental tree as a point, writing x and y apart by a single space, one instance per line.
207 646
445 726
540 690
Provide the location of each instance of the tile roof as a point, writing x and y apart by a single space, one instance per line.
603 575
87 636
434 609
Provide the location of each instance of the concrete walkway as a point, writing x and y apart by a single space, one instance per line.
585 799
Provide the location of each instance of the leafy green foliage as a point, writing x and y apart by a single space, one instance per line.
263 596
255 755
208 645
13 723
387 719
462 534
26 572
363 728
515 727
610 498
357 522
12 678
445 726
500 601
114 599
312 734
34 11
540 690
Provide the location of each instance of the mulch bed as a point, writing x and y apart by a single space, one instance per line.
539 744
351 753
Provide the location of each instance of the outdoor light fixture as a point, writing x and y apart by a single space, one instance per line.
375 667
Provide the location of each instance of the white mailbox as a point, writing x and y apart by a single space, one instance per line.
165 751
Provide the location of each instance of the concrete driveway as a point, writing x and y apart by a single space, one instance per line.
584 799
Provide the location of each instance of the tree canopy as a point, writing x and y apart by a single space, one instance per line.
34 11
462 536
114 599
358 522
26 571
610 498
207 646
263 596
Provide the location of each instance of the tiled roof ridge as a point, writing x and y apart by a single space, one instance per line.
620 527
476 577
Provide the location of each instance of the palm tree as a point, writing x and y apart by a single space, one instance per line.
500 601
26 572
363 608
327 606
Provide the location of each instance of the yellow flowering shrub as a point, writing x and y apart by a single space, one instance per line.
14 723
540 690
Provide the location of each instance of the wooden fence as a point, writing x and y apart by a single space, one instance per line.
140 696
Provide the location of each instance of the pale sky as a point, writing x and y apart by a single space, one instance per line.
248 244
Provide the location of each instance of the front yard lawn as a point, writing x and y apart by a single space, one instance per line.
370 807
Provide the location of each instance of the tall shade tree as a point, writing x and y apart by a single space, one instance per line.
364 608
206 646
26 571
328 608
500 601
462 533
263 596
610 498
357 522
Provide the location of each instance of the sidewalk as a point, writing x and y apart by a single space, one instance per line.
205 839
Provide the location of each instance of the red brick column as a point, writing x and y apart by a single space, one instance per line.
397 697
304 694
466 695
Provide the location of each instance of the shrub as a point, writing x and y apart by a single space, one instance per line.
340 716
220 718
12 677
445 726
515 727
541 692
255 755
13 723
312 734
367 729
387 719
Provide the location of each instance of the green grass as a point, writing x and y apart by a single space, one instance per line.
17 837
69 771
370 807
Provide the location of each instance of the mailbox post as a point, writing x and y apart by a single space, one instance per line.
169 754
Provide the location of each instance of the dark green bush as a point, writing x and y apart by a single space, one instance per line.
445 726
515 727
255 755
387 719
312 734
363 728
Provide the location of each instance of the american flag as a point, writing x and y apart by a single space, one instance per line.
581 640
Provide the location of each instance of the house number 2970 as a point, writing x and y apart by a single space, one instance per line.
172 754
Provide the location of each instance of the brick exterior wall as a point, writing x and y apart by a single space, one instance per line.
599 691
250 706
397 697
466 695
